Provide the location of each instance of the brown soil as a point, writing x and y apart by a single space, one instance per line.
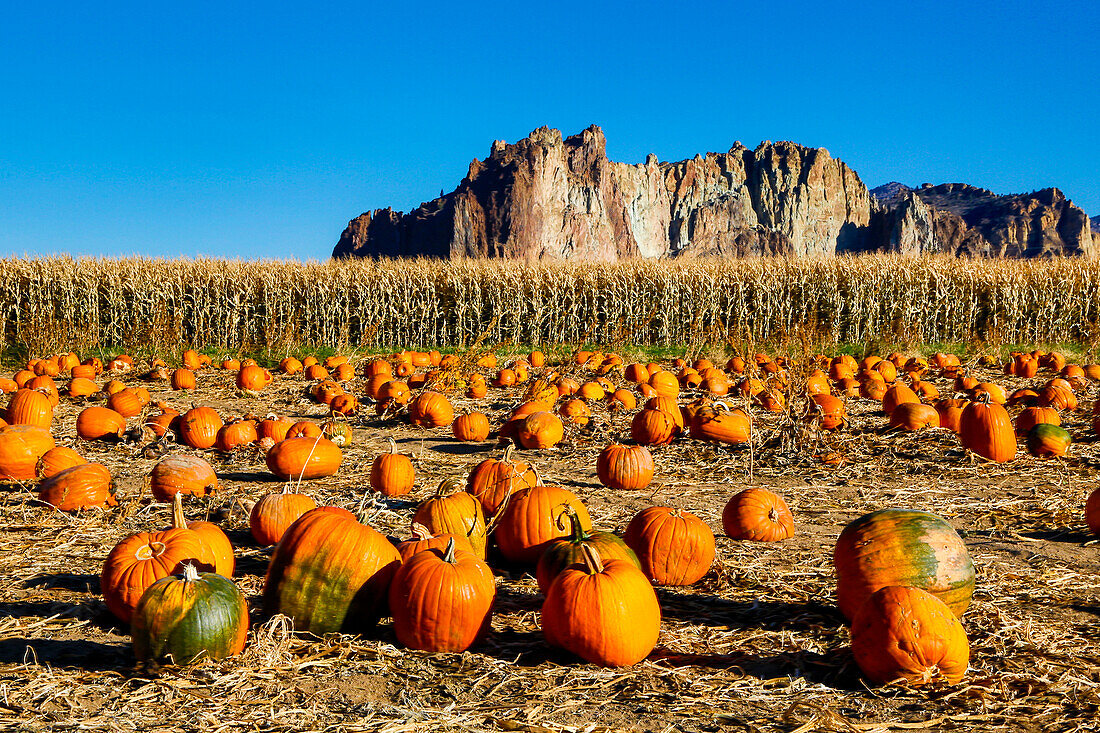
757 645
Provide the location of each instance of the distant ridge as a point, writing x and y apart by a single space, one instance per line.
549 197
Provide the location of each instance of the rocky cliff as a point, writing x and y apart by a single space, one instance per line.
958 219
552 197
549 197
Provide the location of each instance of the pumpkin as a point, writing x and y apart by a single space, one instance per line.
126 402
84 486
1029 417
759 515
219 550
897 395
604 612
575 412
986 429
718 423
304 458
1058 397
304 429
1092 512
827 409
540 430
431 410
442 601
901 547
492 481
235 434
82 387
903 632
565 551
274 427
141 559
392 474
100 423
1045 440
457 512
181 619
199 426
273 513
471 427
950 414
56 460
30 407
665 384
625 467
621 399
183 379
653 427
529 522
674 546
182 474
330 573
21 447
914 416
423 539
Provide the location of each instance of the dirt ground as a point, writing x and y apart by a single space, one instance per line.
757 645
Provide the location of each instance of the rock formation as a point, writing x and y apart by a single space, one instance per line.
963 220
549 197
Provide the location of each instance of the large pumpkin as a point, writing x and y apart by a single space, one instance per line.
453 510
21 447
901 547
142 559
304 458
189 617
604 612
330 573
674 547
84 486
30 407
530 522
565 551
492 481
906 633
442 601
986 429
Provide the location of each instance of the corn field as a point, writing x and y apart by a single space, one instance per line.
54 303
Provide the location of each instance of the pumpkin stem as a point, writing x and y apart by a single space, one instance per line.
592 561
190 574
179 521
393 444
449 485
509 448
578 533
449 553
420 532
773 515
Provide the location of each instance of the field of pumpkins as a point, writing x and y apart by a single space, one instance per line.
575 542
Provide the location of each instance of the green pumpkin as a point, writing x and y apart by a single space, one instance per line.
186 618
901 547
1046 439
565 551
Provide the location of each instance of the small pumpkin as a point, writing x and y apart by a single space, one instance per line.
457 512
182 474
392 474
274 513
1046 440
304 458
471 427
625 467
492 481
759 515
720 424
199 426
654 427
540 430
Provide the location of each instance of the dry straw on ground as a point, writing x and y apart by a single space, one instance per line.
50 304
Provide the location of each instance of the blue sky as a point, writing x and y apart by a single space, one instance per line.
259 130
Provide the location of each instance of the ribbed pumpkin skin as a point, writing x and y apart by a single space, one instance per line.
182 474
306 458
471 427
759 515
21 447
199 427
540 430
97 422
901 547
441 606
431 410
392 474
610 618
674 547
914 416
83 486
653 427
530 522
30 407
56 460
625 467
987 430
126 402
180 621
142 559
1029 417
458 513
905 632
492 481
219 545
330 573
423 539
1045 440
274 513
721 426
897 395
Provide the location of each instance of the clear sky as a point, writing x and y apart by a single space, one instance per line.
260 129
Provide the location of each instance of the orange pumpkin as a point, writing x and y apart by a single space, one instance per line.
182 474
56 460
392 474
84 486
199 426
986 429
431 410
529 522
454 511
757 514
304 458
625 467
674 546
471 427
540 430
274 513
492 481
21 447
30 407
